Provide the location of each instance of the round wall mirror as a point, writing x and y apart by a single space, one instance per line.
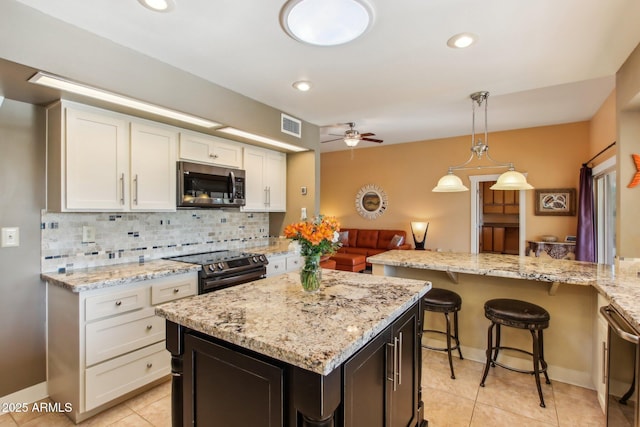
371 201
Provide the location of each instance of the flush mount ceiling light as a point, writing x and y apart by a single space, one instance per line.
60 83
158 5
326 22
462 40
302 86
510 180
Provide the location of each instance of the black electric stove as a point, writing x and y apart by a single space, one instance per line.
222 269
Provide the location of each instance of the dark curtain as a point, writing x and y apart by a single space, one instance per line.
586 237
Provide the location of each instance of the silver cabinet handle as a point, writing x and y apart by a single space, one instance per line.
149 327
135 187
149 365
176 290
266 197
118 303
213 156
604 362
400 358
393 362
122 189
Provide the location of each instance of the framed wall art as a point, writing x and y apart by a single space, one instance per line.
371 201
555 201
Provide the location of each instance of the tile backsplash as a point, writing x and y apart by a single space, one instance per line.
132 237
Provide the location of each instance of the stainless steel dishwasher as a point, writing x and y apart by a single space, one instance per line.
622 371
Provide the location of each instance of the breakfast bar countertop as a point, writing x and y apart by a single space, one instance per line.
86 279
621 289
314 331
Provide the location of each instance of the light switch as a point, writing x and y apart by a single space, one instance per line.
10 237
303 214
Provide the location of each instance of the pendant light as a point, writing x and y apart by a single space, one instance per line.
510 180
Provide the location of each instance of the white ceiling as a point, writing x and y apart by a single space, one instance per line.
543 61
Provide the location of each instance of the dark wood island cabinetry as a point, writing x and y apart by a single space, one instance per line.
267 354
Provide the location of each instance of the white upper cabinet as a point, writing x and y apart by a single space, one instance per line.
266 180
96 162
100 161
210 149
153 167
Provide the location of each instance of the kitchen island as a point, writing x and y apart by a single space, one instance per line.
267 354
570 290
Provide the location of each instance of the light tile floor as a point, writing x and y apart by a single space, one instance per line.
508 399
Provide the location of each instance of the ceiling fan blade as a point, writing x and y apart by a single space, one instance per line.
367 134
336 134
372 140
330 140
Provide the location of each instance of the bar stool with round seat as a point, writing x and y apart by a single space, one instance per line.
521 315
444 301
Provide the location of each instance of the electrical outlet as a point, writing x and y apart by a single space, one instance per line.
88 234
10 237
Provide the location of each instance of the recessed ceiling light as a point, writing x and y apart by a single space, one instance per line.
158 5
302 85
326 22
462 40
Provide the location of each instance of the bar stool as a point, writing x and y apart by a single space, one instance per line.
521 315
444 301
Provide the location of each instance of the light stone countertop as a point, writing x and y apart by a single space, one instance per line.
87 279
316 332
622 289
275 247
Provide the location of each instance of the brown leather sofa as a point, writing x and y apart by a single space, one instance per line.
366 242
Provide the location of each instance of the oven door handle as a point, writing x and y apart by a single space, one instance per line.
617 324
232 177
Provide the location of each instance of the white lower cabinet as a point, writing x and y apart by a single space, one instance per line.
283 263
106 343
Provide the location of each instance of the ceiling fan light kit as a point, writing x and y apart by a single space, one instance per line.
510 180
326 22
462 40
352 137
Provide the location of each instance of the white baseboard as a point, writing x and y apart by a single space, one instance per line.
26 395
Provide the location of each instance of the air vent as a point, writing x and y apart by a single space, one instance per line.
290 125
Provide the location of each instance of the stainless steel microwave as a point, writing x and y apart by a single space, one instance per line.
206 186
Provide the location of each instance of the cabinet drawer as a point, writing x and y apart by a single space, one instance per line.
276 266
173 288
109 380
119 335
294 263
116 303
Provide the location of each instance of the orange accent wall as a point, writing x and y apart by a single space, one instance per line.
551 155
602 130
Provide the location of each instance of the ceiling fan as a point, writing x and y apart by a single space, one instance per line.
352 137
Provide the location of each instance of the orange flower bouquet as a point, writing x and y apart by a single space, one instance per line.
316 237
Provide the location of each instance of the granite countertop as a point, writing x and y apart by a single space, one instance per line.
87 279
621 289
275 247
316 332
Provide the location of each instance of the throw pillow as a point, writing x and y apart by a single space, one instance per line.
395 242
344 238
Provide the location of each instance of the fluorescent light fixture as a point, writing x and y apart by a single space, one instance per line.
264 139
462 40
326 22
60 83
158 5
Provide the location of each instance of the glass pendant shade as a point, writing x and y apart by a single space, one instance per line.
449 183
512 180
351 142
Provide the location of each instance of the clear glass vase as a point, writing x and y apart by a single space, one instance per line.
311 274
